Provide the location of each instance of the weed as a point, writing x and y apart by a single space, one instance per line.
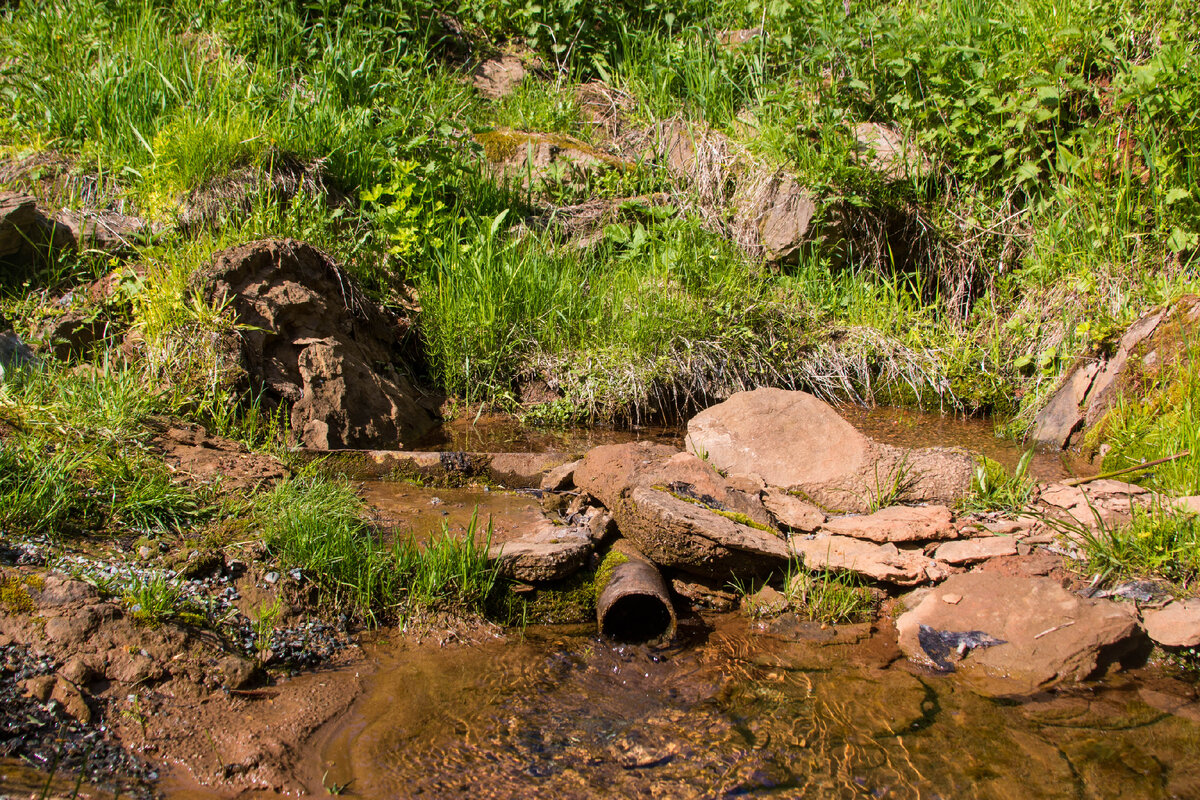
890 488
828 596
317 524
994 488
1158 542
155 600
263 627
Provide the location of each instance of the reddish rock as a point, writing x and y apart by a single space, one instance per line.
1029 631
799 443
1175 625
679 534
972 551
792 512
311 340
606 471
878 562
897 524
1093 385
498 77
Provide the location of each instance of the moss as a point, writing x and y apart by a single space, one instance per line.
742 519
612 560
571 600
734 516
15 597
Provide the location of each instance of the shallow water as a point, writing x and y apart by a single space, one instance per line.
731 712
903 427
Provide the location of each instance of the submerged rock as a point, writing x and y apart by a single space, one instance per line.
1041 633
310 339
799 443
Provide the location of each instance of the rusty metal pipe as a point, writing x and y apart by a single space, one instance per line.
633 602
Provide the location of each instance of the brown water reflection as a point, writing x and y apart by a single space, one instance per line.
733 713
903 427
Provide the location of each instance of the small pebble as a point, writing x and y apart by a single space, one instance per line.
271 577
952 599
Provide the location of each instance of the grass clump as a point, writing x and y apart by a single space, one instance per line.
994 488
78 457
158 599
316 524
1159 419
826 596
817 595
1159 542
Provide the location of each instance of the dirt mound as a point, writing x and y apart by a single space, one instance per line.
310 339
197 457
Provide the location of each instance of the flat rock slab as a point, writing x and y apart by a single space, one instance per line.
972 551
898 524
879 562
547 553
800 443
1030 631
1175 625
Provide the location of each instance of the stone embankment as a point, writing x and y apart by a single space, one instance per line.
772 476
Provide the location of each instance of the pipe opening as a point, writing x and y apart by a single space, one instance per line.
636 618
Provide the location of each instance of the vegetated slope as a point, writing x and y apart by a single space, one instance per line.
994 190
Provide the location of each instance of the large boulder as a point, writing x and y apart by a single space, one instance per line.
311 340
799 443
1029 631
680 512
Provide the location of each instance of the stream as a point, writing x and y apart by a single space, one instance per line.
733 707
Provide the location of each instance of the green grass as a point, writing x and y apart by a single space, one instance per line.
994 488
1052 202
317 524
1158 419
817 595
831 597
1159 542
78 456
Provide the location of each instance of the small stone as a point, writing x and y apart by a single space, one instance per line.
765 602
271 577
145 552
952 599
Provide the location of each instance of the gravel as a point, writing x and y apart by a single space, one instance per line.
43 736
